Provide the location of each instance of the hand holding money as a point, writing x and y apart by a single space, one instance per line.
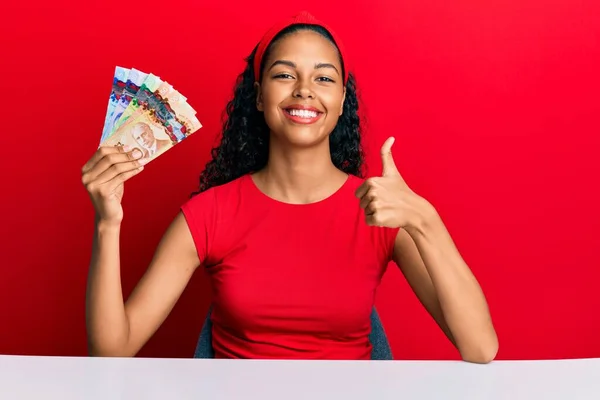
146 117
104 175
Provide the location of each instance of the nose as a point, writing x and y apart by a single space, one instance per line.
303 90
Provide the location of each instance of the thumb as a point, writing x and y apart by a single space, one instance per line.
389 167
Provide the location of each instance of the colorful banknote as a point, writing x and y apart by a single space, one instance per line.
148 87
119 80
153 117
135 78
176 114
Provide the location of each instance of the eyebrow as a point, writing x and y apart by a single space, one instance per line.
291 64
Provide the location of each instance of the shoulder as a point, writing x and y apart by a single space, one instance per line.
203 211
214 196
211 205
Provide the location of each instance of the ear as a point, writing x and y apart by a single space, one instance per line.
343 100
259 99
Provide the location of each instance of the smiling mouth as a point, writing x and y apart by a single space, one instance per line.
307 114
302 116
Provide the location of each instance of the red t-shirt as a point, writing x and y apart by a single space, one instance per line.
289 281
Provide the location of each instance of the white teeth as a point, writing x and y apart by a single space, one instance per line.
303 113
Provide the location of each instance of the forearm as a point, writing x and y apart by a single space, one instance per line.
461 299
107 324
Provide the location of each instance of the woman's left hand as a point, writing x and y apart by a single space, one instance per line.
387 200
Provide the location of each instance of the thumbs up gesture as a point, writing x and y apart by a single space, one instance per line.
387 200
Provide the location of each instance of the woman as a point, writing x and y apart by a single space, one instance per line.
294 240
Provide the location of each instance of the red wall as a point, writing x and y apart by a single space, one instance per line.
495 107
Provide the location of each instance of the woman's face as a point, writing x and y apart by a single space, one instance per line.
302 91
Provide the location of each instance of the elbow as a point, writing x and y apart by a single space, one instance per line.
97 350
484 357
103 343
103 352
483 353
108 353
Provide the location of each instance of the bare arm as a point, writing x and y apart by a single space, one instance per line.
430 261
445 286
116 328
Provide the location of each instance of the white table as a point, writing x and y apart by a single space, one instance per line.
68 378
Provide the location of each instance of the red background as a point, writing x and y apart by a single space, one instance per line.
494 106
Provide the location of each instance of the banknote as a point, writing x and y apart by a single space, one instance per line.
172 109
176 115
150 115
147 132
118 85
149 86
132 85
166 90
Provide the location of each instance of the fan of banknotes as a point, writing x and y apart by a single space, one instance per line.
146 113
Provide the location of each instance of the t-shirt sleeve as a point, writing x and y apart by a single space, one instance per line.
200 212
389 235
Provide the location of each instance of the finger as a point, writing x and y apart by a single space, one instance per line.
122 177
118 168
376 218
389 167
362 190
109 161
100 154
366 186
366 199
372 220
371 208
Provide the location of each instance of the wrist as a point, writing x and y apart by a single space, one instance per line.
103 225
425 217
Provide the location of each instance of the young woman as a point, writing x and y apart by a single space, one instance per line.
294 240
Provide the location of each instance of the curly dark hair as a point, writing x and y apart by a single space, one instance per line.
244 145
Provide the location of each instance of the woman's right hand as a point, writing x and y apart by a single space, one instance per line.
104 175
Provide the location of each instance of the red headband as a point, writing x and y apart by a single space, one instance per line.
302 18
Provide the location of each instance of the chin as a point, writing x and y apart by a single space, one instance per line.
302 136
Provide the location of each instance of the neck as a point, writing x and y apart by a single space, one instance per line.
299 175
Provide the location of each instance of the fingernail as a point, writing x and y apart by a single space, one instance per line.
126 148
144 161
137 153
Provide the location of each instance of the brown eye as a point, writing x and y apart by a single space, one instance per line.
283 76
325 79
